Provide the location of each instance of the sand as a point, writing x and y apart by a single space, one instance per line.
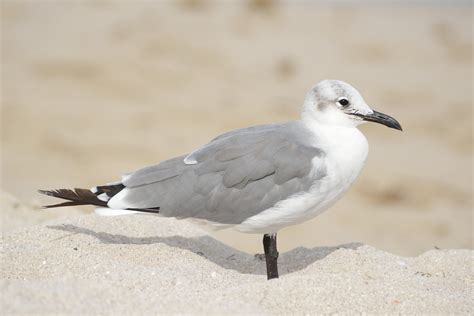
16 214
143 265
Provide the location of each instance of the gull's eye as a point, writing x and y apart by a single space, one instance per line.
344 102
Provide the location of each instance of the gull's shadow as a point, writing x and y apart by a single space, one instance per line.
217 252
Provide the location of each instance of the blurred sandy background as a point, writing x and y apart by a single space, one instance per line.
95 89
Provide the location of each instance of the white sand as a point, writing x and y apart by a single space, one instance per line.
143 264
15 214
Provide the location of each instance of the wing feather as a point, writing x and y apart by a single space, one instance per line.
235 176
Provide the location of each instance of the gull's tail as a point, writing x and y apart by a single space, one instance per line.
74 197
98 196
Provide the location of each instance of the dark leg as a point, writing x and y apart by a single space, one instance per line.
271 255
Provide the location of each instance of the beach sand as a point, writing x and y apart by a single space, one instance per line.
145 265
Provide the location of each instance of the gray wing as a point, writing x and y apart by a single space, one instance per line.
235 176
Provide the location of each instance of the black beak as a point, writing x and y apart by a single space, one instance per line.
380 118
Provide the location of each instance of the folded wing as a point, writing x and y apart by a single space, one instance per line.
234 177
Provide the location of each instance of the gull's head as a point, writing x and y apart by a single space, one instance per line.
335 102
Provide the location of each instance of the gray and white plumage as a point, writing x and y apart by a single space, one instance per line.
231 179
257 179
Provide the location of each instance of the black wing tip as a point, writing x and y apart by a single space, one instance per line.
153 210
79 196
46 192
74 197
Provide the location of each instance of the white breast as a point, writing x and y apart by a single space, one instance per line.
346 151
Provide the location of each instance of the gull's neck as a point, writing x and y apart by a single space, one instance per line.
346 146
335 136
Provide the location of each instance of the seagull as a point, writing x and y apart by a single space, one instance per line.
258 179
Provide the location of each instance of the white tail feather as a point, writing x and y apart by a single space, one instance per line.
104 211
103 197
